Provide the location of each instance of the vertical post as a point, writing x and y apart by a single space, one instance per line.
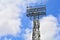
35 14
36 32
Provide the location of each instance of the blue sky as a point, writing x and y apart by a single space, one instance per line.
53 6
15 25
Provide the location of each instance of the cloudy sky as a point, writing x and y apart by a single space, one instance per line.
15 25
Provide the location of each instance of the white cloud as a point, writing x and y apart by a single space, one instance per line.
10 11
28 34
7 39
48 28
58 17
36 1
9 17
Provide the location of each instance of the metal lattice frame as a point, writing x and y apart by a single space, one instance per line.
35 14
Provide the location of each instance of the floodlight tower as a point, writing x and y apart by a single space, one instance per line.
35 14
